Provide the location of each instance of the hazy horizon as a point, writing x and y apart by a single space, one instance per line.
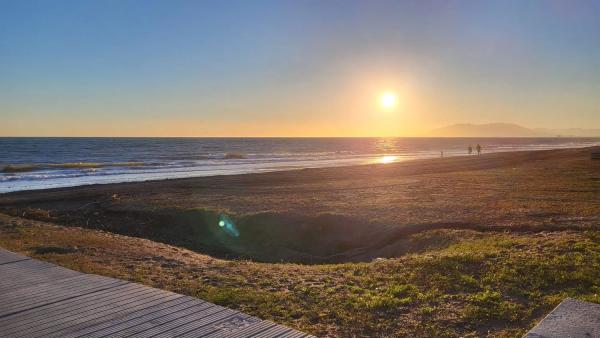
457 130
295 69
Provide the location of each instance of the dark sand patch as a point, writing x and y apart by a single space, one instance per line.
332 215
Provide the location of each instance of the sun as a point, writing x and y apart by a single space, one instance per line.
388 100
388 159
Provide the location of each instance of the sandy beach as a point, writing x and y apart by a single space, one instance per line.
501 227
342 169
519 191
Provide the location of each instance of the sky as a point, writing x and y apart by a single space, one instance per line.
294 68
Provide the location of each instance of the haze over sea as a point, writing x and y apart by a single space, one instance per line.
40 163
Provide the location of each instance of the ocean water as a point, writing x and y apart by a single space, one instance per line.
40 163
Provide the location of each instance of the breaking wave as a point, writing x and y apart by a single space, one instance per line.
18 168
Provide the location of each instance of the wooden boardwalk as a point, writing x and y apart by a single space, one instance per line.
571 318
39 299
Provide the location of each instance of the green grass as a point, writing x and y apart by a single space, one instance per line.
475 284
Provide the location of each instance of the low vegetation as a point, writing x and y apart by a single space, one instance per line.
470 283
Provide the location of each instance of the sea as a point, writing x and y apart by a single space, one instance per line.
42 163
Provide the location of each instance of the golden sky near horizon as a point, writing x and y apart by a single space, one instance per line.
289 68
350 108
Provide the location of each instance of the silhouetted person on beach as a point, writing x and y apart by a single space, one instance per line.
442 153
470 149
478 149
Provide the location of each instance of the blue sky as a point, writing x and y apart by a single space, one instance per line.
294 68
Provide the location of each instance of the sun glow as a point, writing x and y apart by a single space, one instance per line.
388 100
388 159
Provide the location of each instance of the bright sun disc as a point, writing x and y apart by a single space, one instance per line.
388 159
388 100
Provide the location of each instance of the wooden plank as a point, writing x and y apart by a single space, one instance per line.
68 324
25 276
253 330
294 334
226 326
73 304
39 299
52 296
27 264
58 296
112 318
51 289
277 331
195 322
571 318
20 274
114 327
272 331
53 318
47 288
39 290
149 322
9 257
172 320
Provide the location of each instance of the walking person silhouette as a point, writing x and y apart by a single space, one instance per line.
478 149
470 149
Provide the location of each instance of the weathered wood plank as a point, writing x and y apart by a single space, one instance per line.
118 321
27 264
47 288
29 274
9 257
55 296
171 321
73 304
571 318
39 299
21 309
196 322
254 330
271 332
116 326
230 326
67 325
40 290
294 334
56 319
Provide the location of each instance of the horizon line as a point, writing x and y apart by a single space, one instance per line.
291 137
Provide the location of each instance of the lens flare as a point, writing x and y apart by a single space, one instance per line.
228 225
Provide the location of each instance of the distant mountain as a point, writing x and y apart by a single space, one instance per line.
485 130
508 130
572 132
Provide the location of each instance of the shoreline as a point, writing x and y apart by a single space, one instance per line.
335 214
403 163
25 176
341 241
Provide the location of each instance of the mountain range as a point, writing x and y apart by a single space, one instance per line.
508 130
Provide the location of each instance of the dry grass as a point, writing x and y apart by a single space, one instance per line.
473 284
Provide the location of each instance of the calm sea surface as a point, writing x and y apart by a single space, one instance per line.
39 163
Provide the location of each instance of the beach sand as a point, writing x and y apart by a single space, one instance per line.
475 246
336 214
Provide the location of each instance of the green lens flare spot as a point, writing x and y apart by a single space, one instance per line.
221 223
